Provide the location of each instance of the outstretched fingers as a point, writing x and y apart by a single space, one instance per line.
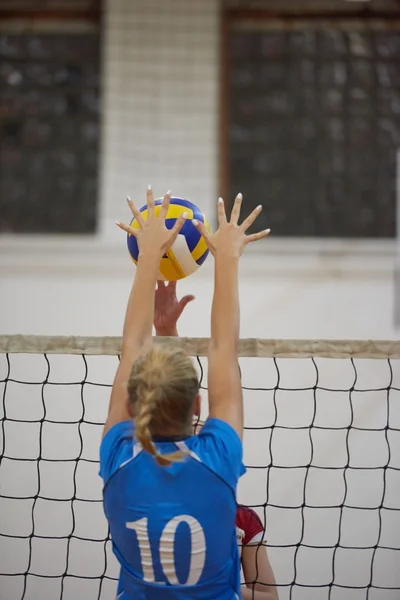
204 232
248 222
171 285
181 220
182 304
150 201
165 205
127 228
221 212
235 214
135 211
254 237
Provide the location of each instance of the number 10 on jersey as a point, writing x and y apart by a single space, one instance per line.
165 548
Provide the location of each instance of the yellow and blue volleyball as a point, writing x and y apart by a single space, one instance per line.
188 252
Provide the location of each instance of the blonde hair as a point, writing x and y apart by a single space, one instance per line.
162 389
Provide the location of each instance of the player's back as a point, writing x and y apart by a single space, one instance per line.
173 528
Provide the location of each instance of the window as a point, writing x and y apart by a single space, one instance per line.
49 130
313 124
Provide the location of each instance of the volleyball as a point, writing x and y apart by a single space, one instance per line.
189 250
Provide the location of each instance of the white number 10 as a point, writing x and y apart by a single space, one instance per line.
166 549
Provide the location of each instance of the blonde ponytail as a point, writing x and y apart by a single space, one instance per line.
147 406
162 390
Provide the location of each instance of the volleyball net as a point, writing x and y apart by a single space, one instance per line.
321 446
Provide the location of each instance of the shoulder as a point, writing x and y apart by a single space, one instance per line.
116 447
215 426
216 432
219 447
217 436
250 523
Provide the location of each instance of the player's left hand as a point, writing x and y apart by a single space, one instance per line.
167 308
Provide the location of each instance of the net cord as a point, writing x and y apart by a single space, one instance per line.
249 347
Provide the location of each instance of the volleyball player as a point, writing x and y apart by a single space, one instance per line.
249 528
159 480
253 555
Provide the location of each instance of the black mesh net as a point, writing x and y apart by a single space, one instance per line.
321 446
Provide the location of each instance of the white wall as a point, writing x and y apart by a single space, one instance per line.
160 102
160 126
292 296
288 289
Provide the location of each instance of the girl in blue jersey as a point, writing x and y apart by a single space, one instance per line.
159 480
257 571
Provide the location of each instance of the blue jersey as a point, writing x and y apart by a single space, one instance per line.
173 528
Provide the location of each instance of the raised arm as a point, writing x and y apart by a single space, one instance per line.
168 309
153 239
256 567
227 245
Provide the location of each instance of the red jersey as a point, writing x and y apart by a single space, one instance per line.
249 528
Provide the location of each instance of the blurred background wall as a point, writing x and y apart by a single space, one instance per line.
295 103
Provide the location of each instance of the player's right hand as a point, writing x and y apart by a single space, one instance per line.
231 238
152 235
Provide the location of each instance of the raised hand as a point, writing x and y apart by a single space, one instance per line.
167 308
152 235
231 238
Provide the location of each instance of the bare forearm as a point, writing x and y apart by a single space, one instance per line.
138 325
137 334
250 594
225 314
168 332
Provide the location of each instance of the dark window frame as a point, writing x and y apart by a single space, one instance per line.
82 21
269 19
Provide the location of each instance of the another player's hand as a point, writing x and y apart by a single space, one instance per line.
167 308
152 235
231 238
